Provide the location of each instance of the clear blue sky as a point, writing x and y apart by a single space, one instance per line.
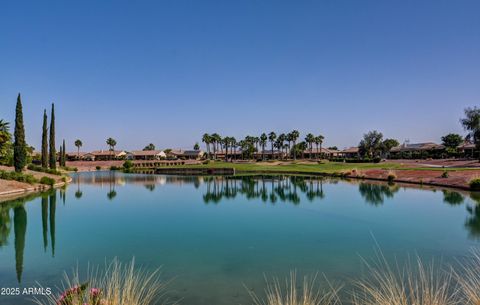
168 71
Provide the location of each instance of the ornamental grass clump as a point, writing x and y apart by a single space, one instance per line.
469 279
391 176
118 284
291 294
414 284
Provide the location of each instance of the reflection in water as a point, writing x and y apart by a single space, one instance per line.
44 221
267 188
53 207
375 193
452 197
5 224
17 206
78 193
112 193
20 229
473 221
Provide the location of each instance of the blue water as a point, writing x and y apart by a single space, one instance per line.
216 235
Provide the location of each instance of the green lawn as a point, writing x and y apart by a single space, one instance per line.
327 167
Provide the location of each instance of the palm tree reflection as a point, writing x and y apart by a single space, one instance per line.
266 188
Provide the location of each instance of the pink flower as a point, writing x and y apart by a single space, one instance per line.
95 292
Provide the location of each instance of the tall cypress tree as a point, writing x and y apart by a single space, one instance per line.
60 156
64 154
44 141
53 153
19 146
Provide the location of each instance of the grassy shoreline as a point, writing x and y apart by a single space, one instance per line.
458 178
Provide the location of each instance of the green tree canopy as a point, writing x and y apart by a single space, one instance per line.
150 146
452 140
389 144
371 144
6 152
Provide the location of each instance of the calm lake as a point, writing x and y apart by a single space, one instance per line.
217 235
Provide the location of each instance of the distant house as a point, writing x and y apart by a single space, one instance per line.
321 152
146 155
186 154
467 149
277 154
417 150
82 156
106 155
351 152
220 154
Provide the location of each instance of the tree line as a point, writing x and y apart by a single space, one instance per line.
286 145
18 154
371 146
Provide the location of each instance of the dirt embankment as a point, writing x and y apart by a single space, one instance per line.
10 188
457 179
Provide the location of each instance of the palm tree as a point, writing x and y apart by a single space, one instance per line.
4 126
226 141
318 141
78 144
309 139
111 144
263 142
216 139
234 144
206 138
294 136
255 140
281 139
271 137
471 123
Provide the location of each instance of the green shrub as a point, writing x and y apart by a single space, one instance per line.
20 177
114 168
445 174
70 168
127 164
47 180
356 160
475 184
98 167
37 168
206 162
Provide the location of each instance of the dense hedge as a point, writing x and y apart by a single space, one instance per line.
47 181
20 177
356 160
475 184
37 168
